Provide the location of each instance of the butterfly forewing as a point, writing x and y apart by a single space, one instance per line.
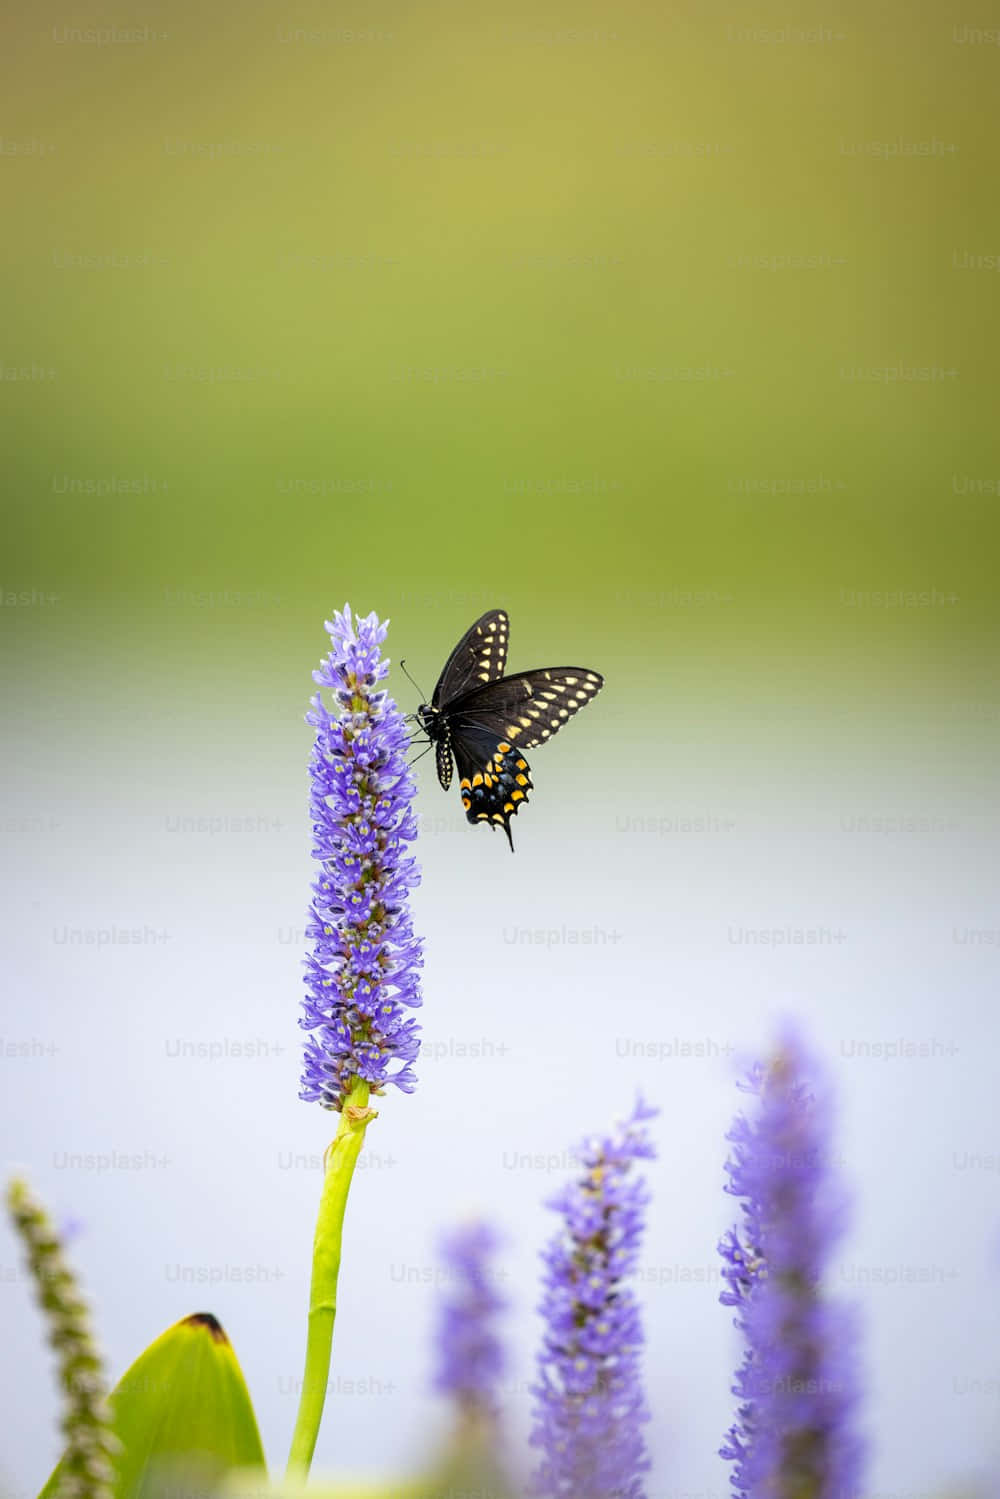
478 658
527 708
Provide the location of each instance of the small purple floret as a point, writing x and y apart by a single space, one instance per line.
471 1359
362 975
590 1407
797 1385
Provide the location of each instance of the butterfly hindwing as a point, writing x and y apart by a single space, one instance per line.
478 658
494 777
529 707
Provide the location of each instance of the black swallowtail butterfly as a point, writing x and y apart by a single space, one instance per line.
487 719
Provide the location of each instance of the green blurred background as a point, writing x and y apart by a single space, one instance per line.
522 279
672 329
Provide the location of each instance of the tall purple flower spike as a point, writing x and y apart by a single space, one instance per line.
471 1359
590 1406
362 975
797 1386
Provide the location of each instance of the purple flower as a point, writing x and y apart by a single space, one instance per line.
362 974
797 1386
470 1355
590 1406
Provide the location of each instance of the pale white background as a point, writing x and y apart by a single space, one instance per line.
100 830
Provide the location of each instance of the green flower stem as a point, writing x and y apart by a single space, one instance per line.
341 1159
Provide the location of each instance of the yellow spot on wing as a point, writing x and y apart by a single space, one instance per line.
477 779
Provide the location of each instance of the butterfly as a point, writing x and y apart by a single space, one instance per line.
486 720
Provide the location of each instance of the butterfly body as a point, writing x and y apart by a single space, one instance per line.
481 721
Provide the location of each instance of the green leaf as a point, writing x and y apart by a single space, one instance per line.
183 1415
345 1488
467 1468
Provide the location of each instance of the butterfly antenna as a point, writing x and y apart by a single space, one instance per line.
406 674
